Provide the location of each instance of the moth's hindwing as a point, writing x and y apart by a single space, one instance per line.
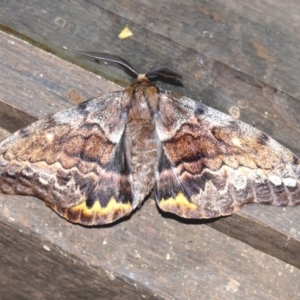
74 160
211 164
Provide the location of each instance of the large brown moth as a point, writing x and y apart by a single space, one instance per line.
96 162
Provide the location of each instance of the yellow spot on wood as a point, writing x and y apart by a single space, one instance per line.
125 33
111 207
180 202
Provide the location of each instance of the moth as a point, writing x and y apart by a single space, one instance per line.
96 162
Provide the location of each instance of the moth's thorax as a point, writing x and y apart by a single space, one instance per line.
141 136
143 97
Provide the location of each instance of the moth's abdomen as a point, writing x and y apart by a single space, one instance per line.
142 149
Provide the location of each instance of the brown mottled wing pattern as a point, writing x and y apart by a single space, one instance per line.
75 160
211 164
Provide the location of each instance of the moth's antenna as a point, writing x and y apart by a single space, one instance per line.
161 71
109 58
164 72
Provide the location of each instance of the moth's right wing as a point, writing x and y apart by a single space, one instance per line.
74 160
211 164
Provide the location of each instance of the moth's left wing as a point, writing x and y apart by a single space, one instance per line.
211 164
75 160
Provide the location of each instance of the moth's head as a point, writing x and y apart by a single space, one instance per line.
157 73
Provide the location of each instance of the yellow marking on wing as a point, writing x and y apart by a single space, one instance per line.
111 207
180 204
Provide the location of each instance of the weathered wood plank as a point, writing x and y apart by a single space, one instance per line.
21 85
261 39
276 228
172 259
33 268
269 229
258 38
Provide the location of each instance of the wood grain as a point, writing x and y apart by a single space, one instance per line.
34 268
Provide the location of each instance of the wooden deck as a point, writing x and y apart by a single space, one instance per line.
241 57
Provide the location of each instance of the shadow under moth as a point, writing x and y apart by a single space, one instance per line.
96 162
